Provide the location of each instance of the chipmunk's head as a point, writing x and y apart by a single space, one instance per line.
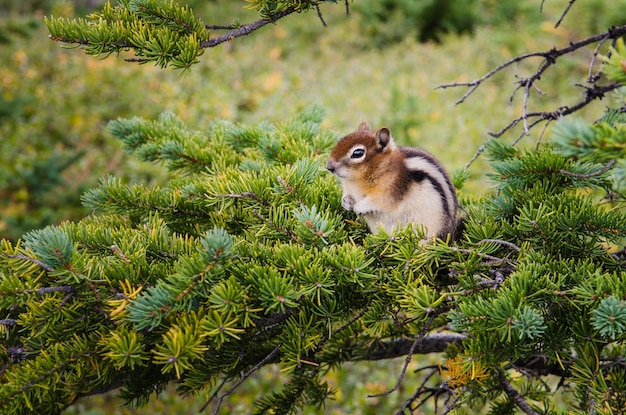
353 153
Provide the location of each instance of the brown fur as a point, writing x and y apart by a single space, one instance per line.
383 183
382 172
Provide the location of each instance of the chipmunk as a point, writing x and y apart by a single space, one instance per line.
392 185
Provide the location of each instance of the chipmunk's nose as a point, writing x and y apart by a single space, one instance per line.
331 166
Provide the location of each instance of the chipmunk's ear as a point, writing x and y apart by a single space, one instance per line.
363 127
383 138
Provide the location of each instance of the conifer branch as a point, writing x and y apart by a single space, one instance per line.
353 320
276 226
57 367
244 195
101 390
492 260
205 291
160 32
272 321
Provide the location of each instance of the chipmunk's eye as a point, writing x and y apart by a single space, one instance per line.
357 153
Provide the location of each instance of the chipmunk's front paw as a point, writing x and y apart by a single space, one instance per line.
348 202
364 207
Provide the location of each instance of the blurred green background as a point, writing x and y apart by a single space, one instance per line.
381 64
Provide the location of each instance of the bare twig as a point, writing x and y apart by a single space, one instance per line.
480 150
245 376
213 395
473 85
569 6
246 29
432 343
591 94
593 78
407 360
543 132
59 288
604 169
409 355
421 390
33 260
515 396
501 242
490 258
320 15
451 405
549 58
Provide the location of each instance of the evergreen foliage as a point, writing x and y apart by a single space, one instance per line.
246 258
161 32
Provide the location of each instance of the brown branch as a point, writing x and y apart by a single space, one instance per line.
320 16
501 242
490 258
245 376
432 343
350 322
515 396
593 78
591 93
407 360
236 31
59 288
246 29
33 260
549 58
411 351
569 6
424 390
604 169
